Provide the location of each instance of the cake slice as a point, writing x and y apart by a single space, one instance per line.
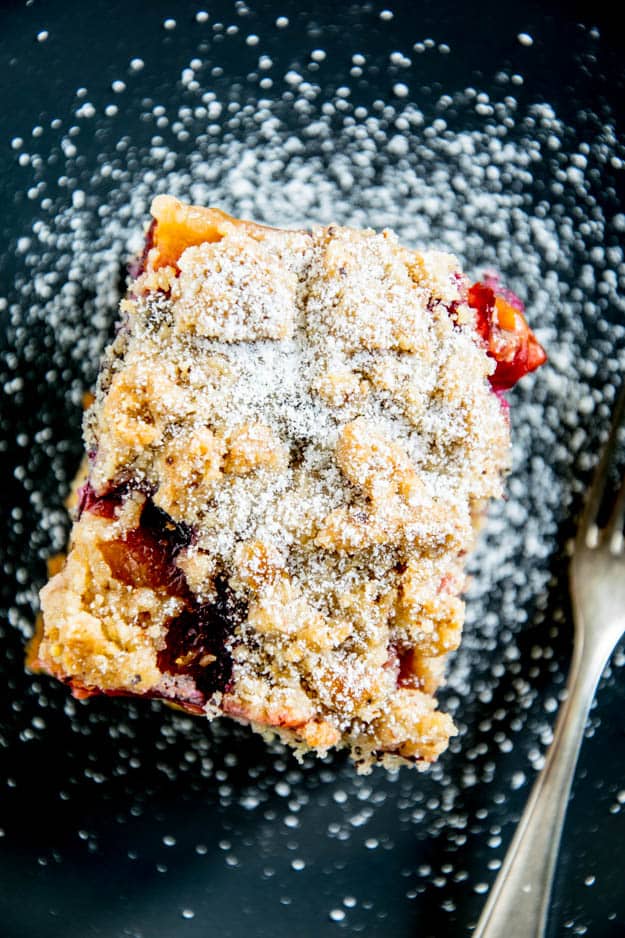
292 440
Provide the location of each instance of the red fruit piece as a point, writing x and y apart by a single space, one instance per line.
138 559
196 643
104 506
146 555
509 339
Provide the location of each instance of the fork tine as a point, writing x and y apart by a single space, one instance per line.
588 522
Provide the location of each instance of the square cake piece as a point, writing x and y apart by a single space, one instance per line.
292 440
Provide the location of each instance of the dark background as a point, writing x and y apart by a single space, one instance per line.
91 799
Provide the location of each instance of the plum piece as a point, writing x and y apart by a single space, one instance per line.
509 339
197 641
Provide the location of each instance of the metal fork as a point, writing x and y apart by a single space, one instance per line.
518 903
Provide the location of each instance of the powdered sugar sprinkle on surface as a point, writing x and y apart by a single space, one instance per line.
504 186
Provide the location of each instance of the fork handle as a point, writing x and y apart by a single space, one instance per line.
518 903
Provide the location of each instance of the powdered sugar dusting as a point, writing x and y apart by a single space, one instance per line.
502 182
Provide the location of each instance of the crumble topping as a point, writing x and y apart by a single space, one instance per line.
292 437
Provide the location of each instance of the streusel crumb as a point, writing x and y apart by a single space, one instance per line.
292 437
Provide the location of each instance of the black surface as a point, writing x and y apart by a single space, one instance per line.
86 799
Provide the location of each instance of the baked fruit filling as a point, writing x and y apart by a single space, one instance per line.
292 440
